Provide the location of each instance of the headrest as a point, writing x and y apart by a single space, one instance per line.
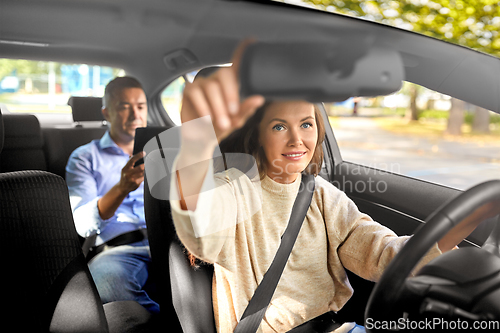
21 131
1 131
86 108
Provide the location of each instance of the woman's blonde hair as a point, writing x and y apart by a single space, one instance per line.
246 140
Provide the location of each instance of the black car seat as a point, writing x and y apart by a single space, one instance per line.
184 291
47 284
23 144
88 124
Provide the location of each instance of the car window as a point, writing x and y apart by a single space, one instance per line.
43 88
382 133
444 141
171 98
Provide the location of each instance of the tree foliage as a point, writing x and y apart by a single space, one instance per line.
19 66
471 23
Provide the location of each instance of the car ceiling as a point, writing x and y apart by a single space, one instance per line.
139 35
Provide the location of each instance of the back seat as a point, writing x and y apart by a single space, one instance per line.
27 146
60 142
23 144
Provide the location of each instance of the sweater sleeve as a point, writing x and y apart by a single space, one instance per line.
366 247
205 230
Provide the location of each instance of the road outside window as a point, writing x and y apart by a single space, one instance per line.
421 134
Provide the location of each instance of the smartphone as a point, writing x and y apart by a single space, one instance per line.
142 136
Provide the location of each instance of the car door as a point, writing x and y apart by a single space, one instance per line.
380 188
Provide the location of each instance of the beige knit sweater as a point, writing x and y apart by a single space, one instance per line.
334 236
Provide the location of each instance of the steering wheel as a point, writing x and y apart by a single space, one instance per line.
463 283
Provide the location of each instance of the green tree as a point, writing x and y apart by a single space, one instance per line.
471 23
481 122
456 118
412 90
8 66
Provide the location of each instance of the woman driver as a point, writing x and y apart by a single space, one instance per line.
223 226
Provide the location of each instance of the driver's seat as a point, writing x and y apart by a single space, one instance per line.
185 292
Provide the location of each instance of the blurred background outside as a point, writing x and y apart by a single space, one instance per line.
43 88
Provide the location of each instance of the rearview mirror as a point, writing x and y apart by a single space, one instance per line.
318 72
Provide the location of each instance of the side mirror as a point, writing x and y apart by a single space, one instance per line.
318 72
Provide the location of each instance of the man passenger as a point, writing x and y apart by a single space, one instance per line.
106 193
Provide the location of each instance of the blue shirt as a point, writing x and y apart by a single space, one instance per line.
92 170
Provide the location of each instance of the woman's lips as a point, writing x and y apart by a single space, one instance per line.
294 156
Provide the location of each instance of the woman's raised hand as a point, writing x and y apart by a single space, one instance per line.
218 96
211 110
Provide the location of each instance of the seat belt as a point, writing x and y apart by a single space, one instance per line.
90 250
256 308
88 244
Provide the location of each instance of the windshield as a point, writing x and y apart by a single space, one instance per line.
474 24
418 132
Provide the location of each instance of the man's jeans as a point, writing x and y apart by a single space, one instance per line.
121 273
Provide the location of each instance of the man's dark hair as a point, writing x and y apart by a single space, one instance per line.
118 84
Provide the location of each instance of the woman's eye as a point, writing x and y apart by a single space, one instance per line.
306 125
278 127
